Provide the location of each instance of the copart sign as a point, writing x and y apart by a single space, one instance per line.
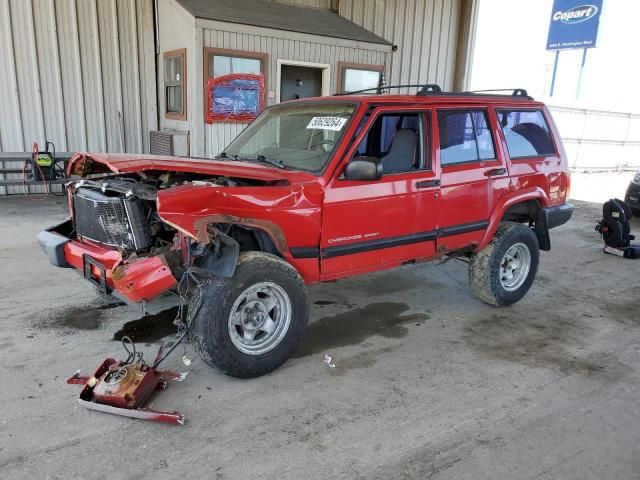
574 24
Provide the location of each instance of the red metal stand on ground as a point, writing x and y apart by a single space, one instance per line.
123 389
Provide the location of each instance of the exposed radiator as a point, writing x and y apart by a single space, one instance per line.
112 221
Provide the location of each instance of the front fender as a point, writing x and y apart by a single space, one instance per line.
290 215
503 204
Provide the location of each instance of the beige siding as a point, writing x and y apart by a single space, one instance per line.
73 73
425 32
177 30
282 46
307 3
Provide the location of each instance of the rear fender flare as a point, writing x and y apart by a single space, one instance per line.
533 193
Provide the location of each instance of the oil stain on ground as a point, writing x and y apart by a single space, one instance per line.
543 341
79 317
91 317
385 319
150 327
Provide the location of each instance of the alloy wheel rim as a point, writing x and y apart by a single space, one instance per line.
259 318
515 266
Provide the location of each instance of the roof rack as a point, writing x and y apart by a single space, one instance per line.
434 89
380 89
515 92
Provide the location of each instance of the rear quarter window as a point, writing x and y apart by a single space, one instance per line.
526 133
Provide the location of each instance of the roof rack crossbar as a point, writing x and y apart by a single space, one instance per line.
382 88
516 92
430 88
434 89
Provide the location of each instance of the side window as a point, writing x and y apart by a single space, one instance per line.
396 139
175 88
526 133
355 76
465 136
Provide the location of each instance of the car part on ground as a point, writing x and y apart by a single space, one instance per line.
125 387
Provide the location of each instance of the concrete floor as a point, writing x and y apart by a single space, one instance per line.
429 382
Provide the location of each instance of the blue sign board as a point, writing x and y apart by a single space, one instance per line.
574 24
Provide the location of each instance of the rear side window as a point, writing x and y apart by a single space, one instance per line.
464 137
526 133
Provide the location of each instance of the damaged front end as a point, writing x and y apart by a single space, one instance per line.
118 241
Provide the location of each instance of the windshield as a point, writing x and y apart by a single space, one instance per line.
300 136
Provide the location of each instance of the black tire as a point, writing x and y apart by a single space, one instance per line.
485 266
210 333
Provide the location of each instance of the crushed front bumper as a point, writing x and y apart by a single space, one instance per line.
141 280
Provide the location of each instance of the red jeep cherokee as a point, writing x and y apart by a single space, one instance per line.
317 190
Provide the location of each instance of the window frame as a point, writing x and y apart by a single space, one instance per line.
499 110
478 161
226 52
182 54
425 137
356 114
342 70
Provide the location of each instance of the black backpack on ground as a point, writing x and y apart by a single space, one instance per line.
615 229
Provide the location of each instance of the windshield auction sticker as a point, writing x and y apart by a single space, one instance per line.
327 123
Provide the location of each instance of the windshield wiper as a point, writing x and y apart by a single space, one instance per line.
270 161
259 158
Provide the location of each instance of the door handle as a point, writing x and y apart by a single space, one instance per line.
495 172
428 183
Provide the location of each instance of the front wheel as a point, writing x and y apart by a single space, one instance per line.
502 273
250 324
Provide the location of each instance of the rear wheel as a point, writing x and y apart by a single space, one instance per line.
250 324
502 272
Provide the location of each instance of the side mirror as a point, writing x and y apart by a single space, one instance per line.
363 169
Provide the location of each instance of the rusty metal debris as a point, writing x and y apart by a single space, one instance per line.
124 387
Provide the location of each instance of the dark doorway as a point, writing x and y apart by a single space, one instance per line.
300 82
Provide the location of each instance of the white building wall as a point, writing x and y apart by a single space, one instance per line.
282 46
178 29
425 32
326 4
77 73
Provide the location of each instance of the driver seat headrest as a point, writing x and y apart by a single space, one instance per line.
402 153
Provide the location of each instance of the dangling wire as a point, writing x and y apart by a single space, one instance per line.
132 355
184 324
